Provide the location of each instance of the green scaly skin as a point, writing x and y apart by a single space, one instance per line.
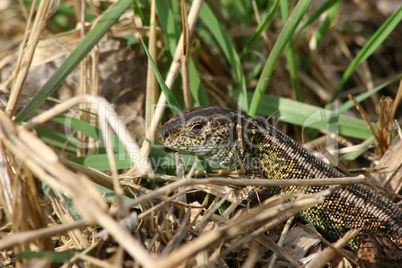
235 140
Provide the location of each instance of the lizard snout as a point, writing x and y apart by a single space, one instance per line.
161 136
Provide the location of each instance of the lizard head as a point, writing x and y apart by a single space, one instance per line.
207 131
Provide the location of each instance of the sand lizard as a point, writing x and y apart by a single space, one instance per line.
235 139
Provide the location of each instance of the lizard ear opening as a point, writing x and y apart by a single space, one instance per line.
197 129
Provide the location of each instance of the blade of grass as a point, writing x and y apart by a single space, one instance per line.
355 154
78 125
172 74
55 257
101 161
310 116
171 33
55 138
158 160
361 97
152 91
170 27
333 10
228 48
185 75
60 139
316 14
291 54
168 94
244 8
92 38
287 32
197 90
36 22
137 11
66 10
261 28
375 41
314 117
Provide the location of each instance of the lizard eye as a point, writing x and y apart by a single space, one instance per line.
196 129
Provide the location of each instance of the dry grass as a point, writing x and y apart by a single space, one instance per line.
169 220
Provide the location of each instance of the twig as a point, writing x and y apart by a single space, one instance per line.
321 259
259 216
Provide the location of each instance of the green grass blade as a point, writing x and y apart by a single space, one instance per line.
197 90
291 57
286 34
171 33
55 138
145 18
310 116
361 97
291 54
322 31
173 104
317 13
158 160
79 125
101 161
61 140
214 26
375 41
355 154
313 117
93 37
55 257
261 28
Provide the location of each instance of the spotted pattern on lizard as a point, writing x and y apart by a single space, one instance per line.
234 139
